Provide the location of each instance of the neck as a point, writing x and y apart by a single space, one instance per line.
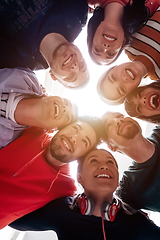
140 150
52 161
48 45
99 200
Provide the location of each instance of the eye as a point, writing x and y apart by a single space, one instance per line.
113 77
97 50
122 91
110 161
75 128
110 54
85 142
93 160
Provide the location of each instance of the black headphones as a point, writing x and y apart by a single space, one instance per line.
108 210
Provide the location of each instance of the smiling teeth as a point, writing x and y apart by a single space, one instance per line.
154 101
130 74
109 38
56 111
67 61
67 146
103 175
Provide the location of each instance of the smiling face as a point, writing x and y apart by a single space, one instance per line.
99 174
120 80
73 142
120 130
107 42
68 66
146 102
55 112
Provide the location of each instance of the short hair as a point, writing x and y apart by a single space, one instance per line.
96 124
134 17
100 90
129 105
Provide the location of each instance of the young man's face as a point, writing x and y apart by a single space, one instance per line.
68 65
72 142
99 174
54 112
120 130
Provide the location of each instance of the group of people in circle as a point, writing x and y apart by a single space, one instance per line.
39 35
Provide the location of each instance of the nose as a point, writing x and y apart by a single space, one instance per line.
73 139
140 100
65 109
143 100
106 46
75 66
104 166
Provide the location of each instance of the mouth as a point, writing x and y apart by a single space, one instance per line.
109 38
122 126
103 175
56 110
131 75
154 101
66 145
67 61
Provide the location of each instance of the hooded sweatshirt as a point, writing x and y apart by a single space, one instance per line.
27 181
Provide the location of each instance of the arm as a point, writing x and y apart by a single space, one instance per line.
45 218
102 3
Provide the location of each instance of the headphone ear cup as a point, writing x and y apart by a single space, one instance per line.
104 211
90 206
109 211
86 205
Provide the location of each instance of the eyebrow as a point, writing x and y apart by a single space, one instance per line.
119 92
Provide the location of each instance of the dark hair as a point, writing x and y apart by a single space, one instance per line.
129 105
97 125
134 17
101 93
81 160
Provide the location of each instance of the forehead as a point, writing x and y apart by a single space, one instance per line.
109 116
99 153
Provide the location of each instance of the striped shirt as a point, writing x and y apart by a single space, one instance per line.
146 46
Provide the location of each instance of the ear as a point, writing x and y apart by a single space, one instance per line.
52 75
112 148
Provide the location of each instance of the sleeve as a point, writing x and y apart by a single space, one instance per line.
124 191
102 3
45 218
11 131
